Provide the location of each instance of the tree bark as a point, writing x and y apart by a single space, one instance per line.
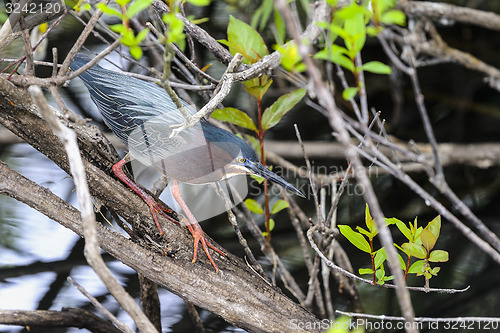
65 318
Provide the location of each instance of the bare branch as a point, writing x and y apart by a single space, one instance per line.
68 317
124 328
440 11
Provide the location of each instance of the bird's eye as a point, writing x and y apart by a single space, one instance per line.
242 160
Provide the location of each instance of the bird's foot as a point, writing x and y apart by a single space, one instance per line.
199 236
156 207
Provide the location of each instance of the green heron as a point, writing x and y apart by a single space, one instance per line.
142 115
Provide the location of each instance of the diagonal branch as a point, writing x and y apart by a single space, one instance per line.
255 306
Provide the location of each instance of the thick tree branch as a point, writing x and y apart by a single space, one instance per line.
236 294
65 318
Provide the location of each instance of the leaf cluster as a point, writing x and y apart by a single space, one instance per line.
244 39
419 245
257 208
352 25
128 9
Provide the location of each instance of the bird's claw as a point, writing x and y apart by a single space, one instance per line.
199 236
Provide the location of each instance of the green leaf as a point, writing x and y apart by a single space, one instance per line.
119 28
413 226
271 224
122 2
355 238
254 142
388 278
415 250
242 38
199 2
279 206
259 179
279 22
402 263
291 59
363 231
128 38
198 21
438 256
416 237
434 226
336 58
376 67
428 239
110 11
427 274
435 271
141 35
357 34
258 86
404 230
363 271
393 17
136 52
380 274
370 223
351 11
138 6
374 31
380 257
175 30
417 267
254 206
236 117
273 114
391 220
262 14
349 93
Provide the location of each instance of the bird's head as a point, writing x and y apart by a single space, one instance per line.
241 157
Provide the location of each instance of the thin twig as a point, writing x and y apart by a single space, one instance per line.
421 319
222 90
81 39
124 328
314 188
30 67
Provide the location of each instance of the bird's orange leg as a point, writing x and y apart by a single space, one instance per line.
195 228
154 206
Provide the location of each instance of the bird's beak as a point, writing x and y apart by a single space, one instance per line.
260 170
